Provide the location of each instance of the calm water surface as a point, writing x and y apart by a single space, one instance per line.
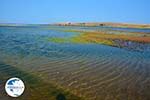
91 71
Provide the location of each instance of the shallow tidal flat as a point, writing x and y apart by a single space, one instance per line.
121 39
90 65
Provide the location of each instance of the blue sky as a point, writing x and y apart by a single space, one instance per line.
51 11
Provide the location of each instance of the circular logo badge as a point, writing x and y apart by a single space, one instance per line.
14 87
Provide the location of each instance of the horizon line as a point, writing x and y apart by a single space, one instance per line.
51 23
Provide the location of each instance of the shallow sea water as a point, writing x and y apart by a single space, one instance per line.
90 71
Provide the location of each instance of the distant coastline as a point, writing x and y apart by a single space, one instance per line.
109 24
90 24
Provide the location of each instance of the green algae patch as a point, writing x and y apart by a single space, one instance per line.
76 31
58 40
82 37
79 40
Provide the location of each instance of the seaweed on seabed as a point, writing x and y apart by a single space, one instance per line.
35 88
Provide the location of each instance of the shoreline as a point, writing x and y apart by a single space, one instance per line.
105 24
85 24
